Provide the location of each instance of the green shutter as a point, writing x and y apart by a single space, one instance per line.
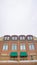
23 54
13 54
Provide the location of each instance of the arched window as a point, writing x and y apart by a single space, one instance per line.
14 38
22 37
6 37
29 37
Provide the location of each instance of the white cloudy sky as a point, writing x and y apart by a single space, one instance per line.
18 17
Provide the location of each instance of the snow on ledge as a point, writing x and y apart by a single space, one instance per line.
18 61
29 61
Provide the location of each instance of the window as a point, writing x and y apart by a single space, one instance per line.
23 58
5 47
6 38
29 37
14 38
33 57
22 47
13 58
22 38
31 46
14 46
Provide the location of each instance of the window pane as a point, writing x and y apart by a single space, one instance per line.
5 47
15 38
20 38
12 38
23 38
14 47
31 46
22 47
5 38
29 38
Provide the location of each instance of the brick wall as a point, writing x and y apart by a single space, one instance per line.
31 63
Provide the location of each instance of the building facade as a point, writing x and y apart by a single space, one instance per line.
18 47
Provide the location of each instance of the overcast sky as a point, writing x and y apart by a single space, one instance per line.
18 17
